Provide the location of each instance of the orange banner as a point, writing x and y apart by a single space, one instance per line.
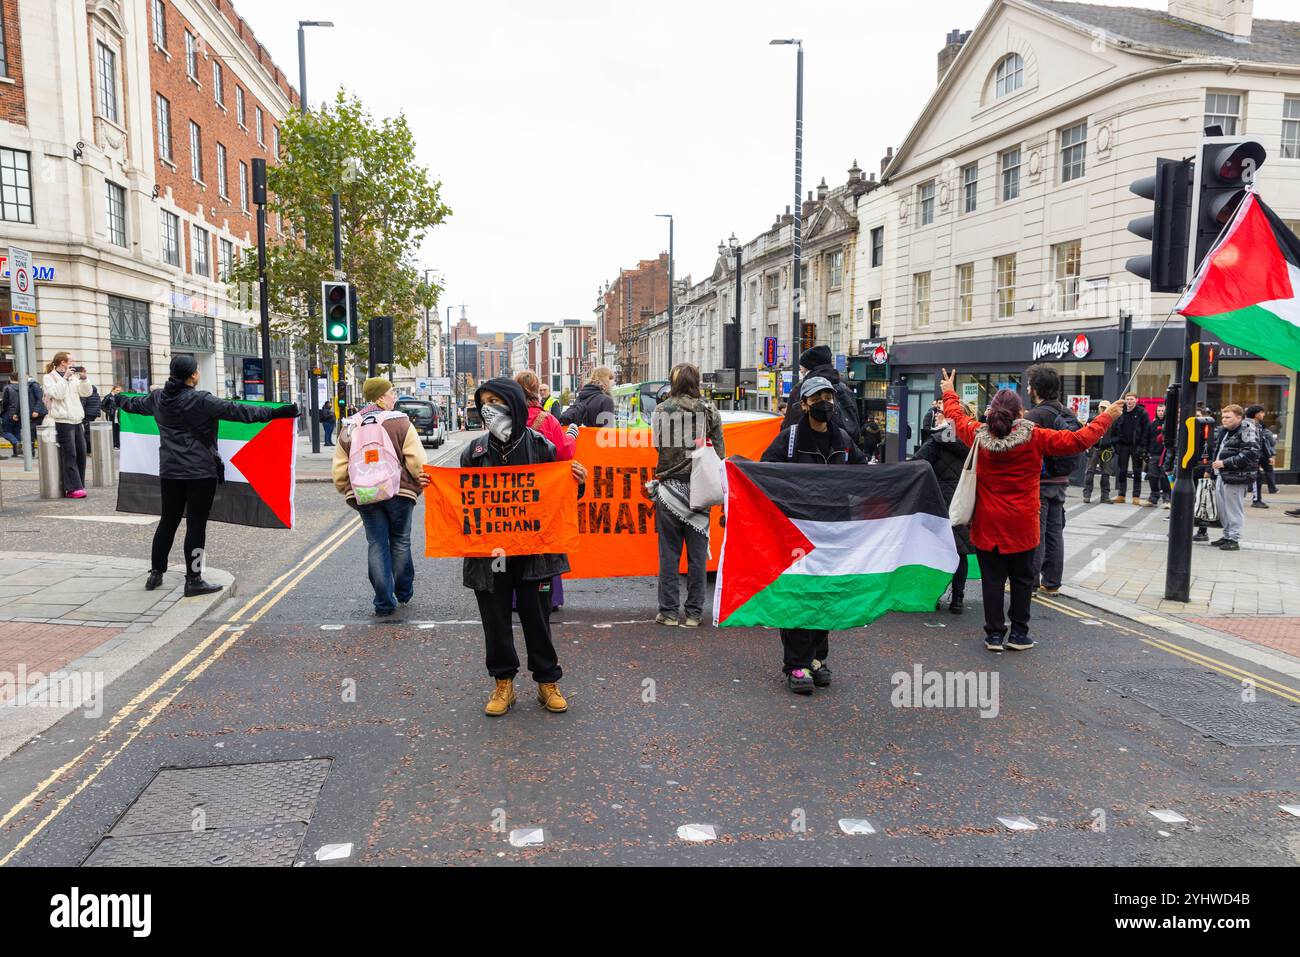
512 510
616 522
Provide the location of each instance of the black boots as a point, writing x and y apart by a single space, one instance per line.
195 585
958 604
153 581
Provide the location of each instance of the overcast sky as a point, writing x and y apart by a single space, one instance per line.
559 128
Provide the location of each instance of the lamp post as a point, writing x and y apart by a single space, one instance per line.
798 188
313 398
428 335
731 344
669 217
302 58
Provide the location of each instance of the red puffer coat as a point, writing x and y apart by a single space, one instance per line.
550 427
1007 471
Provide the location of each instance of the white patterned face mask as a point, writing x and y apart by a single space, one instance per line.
497 420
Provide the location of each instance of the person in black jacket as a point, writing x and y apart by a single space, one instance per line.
509 441
110 414
1100 460
11 426
594 406
872 436
815 440
1048 413
947 456
93 405
1159 460
327 420
1236 459
1267 456
1130 432
818 362
189 466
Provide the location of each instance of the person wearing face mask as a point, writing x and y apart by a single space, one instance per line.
509 441
814 439
387 522
947 456
189 465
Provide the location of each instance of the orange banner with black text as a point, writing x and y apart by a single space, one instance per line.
512 510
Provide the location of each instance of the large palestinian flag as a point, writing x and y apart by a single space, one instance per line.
1247 292
259 458
816 546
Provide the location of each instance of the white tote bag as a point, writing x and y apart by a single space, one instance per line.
1207 508
962 508
706 478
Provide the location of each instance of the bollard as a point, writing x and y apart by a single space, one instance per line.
48 442
103 467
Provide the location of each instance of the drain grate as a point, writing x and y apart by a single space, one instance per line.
1210 703
229 815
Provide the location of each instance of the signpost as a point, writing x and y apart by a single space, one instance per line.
22 303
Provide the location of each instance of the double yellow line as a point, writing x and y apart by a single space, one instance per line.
1196 657
228 631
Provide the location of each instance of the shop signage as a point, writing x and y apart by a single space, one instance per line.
39 273
1060 346
198 305
875 350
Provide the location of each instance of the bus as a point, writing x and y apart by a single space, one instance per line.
472 419
635 402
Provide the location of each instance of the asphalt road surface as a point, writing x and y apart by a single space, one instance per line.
667 728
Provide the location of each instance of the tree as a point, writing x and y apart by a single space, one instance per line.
388 204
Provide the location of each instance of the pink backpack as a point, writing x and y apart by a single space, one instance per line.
374 468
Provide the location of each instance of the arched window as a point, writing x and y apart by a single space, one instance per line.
1010 75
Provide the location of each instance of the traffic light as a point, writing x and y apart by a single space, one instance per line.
1167 226
335 308
1228 166
740 393
381 341
1205 362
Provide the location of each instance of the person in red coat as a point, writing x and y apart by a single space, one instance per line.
1005 527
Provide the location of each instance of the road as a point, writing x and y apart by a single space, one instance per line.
667 728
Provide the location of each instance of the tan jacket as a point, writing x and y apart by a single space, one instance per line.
405 441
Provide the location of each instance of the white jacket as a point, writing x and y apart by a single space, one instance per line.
63 397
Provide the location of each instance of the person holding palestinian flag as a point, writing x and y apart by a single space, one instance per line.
188 462
1005 526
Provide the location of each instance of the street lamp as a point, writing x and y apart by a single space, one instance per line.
669 217
302 58
731 343
302 105
798 187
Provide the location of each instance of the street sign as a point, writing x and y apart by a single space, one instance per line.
12 330
22 299
422 385
769 351
440 386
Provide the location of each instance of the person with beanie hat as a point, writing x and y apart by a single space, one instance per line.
189 466
819 362
387 521
509 441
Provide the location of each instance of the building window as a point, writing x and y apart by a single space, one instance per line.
873 313
1223 109
926 194
966 292
196 152
159 24
1004 271
1010 163
243 186
226 262
222 191
191 56
106 74
4 51
239 107
836 344
164 128
171 238
218 84
837 269
116 214
773 291
1074 145
921 299
970 182
15 186
753 298
275 134
1067 259
878 246
257 115
1291 128
1010 75
199 252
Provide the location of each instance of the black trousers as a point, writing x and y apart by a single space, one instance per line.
494 609
190 499
996 569
1124 456
802 645
960 575
72 455
1264 475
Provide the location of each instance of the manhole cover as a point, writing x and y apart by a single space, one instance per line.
1210 703
240 814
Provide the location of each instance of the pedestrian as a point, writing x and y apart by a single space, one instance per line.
92 408
1236 459
548 403
814 439
1048 413
1159 461
593 406
947 457
11 422
818 362
872 436
1130 438
1005 526
64 387
382 445
189 463
565 441
1267 456
509 441
1101 459
110 414
327 420
681 423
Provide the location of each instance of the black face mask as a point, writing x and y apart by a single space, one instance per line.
821 411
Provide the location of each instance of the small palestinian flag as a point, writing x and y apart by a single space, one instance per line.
816 546
259 457
1247 291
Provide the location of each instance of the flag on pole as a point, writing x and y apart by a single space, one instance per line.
1247 291
811 546
259 457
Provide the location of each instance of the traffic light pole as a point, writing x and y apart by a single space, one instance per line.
259 197
338 268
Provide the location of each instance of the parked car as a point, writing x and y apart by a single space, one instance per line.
429 421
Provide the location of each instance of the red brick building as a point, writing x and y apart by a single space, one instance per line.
627 304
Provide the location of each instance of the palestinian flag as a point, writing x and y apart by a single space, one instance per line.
816 546
1247 291
259 458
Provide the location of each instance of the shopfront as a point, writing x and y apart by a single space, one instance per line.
129 335
868 377
239 344
194 334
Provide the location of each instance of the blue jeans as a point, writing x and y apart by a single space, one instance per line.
388 533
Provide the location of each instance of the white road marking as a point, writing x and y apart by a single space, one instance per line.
113 519
1018 823
1168 817
697 832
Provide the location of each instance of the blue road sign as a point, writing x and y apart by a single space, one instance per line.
12 330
